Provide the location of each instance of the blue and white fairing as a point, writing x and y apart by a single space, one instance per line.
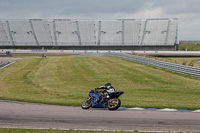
95 98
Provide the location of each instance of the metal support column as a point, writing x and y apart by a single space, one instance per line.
144 32
95 35
123 33
79 36
167 33
34 33
4 31
54 31
99 34
11 36
176 38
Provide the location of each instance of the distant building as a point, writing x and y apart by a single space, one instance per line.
189 42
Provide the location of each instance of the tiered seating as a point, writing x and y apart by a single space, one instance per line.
96 32
172 33
42 32
66 32
141 33
161 34
22 33
51 32
150 32
131 32
111 33
4 39
156 33
87 32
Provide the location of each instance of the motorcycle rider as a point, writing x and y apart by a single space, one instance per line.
106 89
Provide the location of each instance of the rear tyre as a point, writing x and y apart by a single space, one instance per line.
114 104
86 104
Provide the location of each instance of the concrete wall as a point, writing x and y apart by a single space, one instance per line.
145 48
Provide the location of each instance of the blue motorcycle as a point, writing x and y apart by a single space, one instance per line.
102 99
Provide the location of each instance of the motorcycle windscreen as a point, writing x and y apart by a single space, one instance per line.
115 94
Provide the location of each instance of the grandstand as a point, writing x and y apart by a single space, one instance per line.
121 34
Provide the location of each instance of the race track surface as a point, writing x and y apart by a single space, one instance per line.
31 115
6 61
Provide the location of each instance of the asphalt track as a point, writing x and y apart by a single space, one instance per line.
41 116
7 61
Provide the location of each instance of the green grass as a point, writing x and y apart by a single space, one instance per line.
9 130
189 47
67 81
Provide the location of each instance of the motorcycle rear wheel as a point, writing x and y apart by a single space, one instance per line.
86 104
114 104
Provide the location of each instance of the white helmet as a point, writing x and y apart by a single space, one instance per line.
111 90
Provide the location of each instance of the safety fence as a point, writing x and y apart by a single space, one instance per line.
181 69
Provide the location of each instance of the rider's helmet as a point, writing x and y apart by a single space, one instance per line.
109 88
108 85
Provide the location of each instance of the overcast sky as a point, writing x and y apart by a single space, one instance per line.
187 11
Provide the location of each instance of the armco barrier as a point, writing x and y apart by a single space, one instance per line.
181 69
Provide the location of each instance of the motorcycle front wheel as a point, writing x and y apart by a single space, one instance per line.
114 104
86 104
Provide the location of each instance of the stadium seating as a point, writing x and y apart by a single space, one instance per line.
22 33
87 34
110 33
132 32
59 32
155 32
66 33
43 33
4 39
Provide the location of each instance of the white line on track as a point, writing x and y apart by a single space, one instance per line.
7 65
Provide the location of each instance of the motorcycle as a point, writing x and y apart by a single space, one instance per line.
102 99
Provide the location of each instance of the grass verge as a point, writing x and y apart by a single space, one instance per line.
67 81
188 47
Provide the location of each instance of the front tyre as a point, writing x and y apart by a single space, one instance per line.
86 104
114 104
